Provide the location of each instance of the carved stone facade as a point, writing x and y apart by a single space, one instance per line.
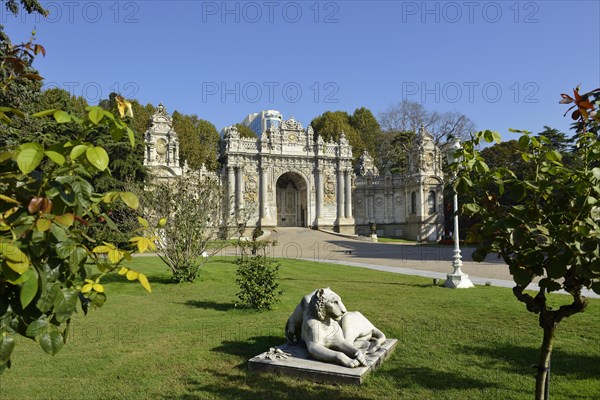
162 146
408 205
288 177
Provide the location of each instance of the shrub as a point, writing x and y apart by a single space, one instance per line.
257 278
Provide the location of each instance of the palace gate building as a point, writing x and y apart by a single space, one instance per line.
289 176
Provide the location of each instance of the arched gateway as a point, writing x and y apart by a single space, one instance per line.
292 200
289 177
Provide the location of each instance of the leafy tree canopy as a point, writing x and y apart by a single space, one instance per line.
199 141
246 132
361 129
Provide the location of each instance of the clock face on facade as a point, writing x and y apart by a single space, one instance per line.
161 146
292 137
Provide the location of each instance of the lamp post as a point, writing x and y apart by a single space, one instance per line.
457 279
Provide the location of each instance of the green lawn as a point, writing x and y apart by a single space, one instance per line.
382 239
189 342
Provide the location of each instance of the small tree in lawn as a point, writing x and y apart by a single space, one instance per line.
548 225
193 206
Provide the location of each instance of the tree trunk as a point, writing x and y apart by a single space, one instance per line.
544 361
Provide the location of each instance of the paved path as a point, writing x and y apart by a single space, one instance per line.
431 261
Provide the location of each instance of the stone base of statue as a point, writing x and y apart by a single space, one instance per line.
294 360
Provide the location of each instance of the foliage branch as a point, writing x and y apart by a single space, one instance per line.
542 220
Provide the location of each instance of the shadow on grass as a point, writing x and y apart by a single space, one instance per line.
209 305
249 348
433 379
249 385
239 383
520 359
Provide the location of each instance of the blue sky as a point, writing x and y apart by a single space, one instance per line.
502 63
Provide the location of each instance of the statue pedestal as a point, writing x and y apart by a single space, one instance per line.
293 360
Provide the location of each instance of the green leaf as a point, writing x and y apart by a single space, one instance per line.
554 156
596 173
556 268
77 257
524 142
29 288
497 137
62 117
472 208
78 150
55 156
98 299
45 113
65 303
37 327
550 285
29 158
51 342
131 135
596 287
488 136
521 276
98 157
46 300
65 219
4 118
111 224
96 114
64 249
12 110
479 255
15 258
130 199
7 344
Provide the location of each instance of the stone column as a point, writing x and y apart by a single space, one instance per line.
340 195
238 192
348 183
263 192
319 195
231 192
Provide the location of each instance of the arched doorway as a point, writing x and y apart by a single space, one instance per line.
291 200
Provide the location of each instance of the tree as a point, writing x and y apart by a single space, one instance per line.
246 132
20 88
199 141
549 229
127 153
400 124
504 154
12 6
46 202
44 251
368 128
361 129
408 116
193 207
